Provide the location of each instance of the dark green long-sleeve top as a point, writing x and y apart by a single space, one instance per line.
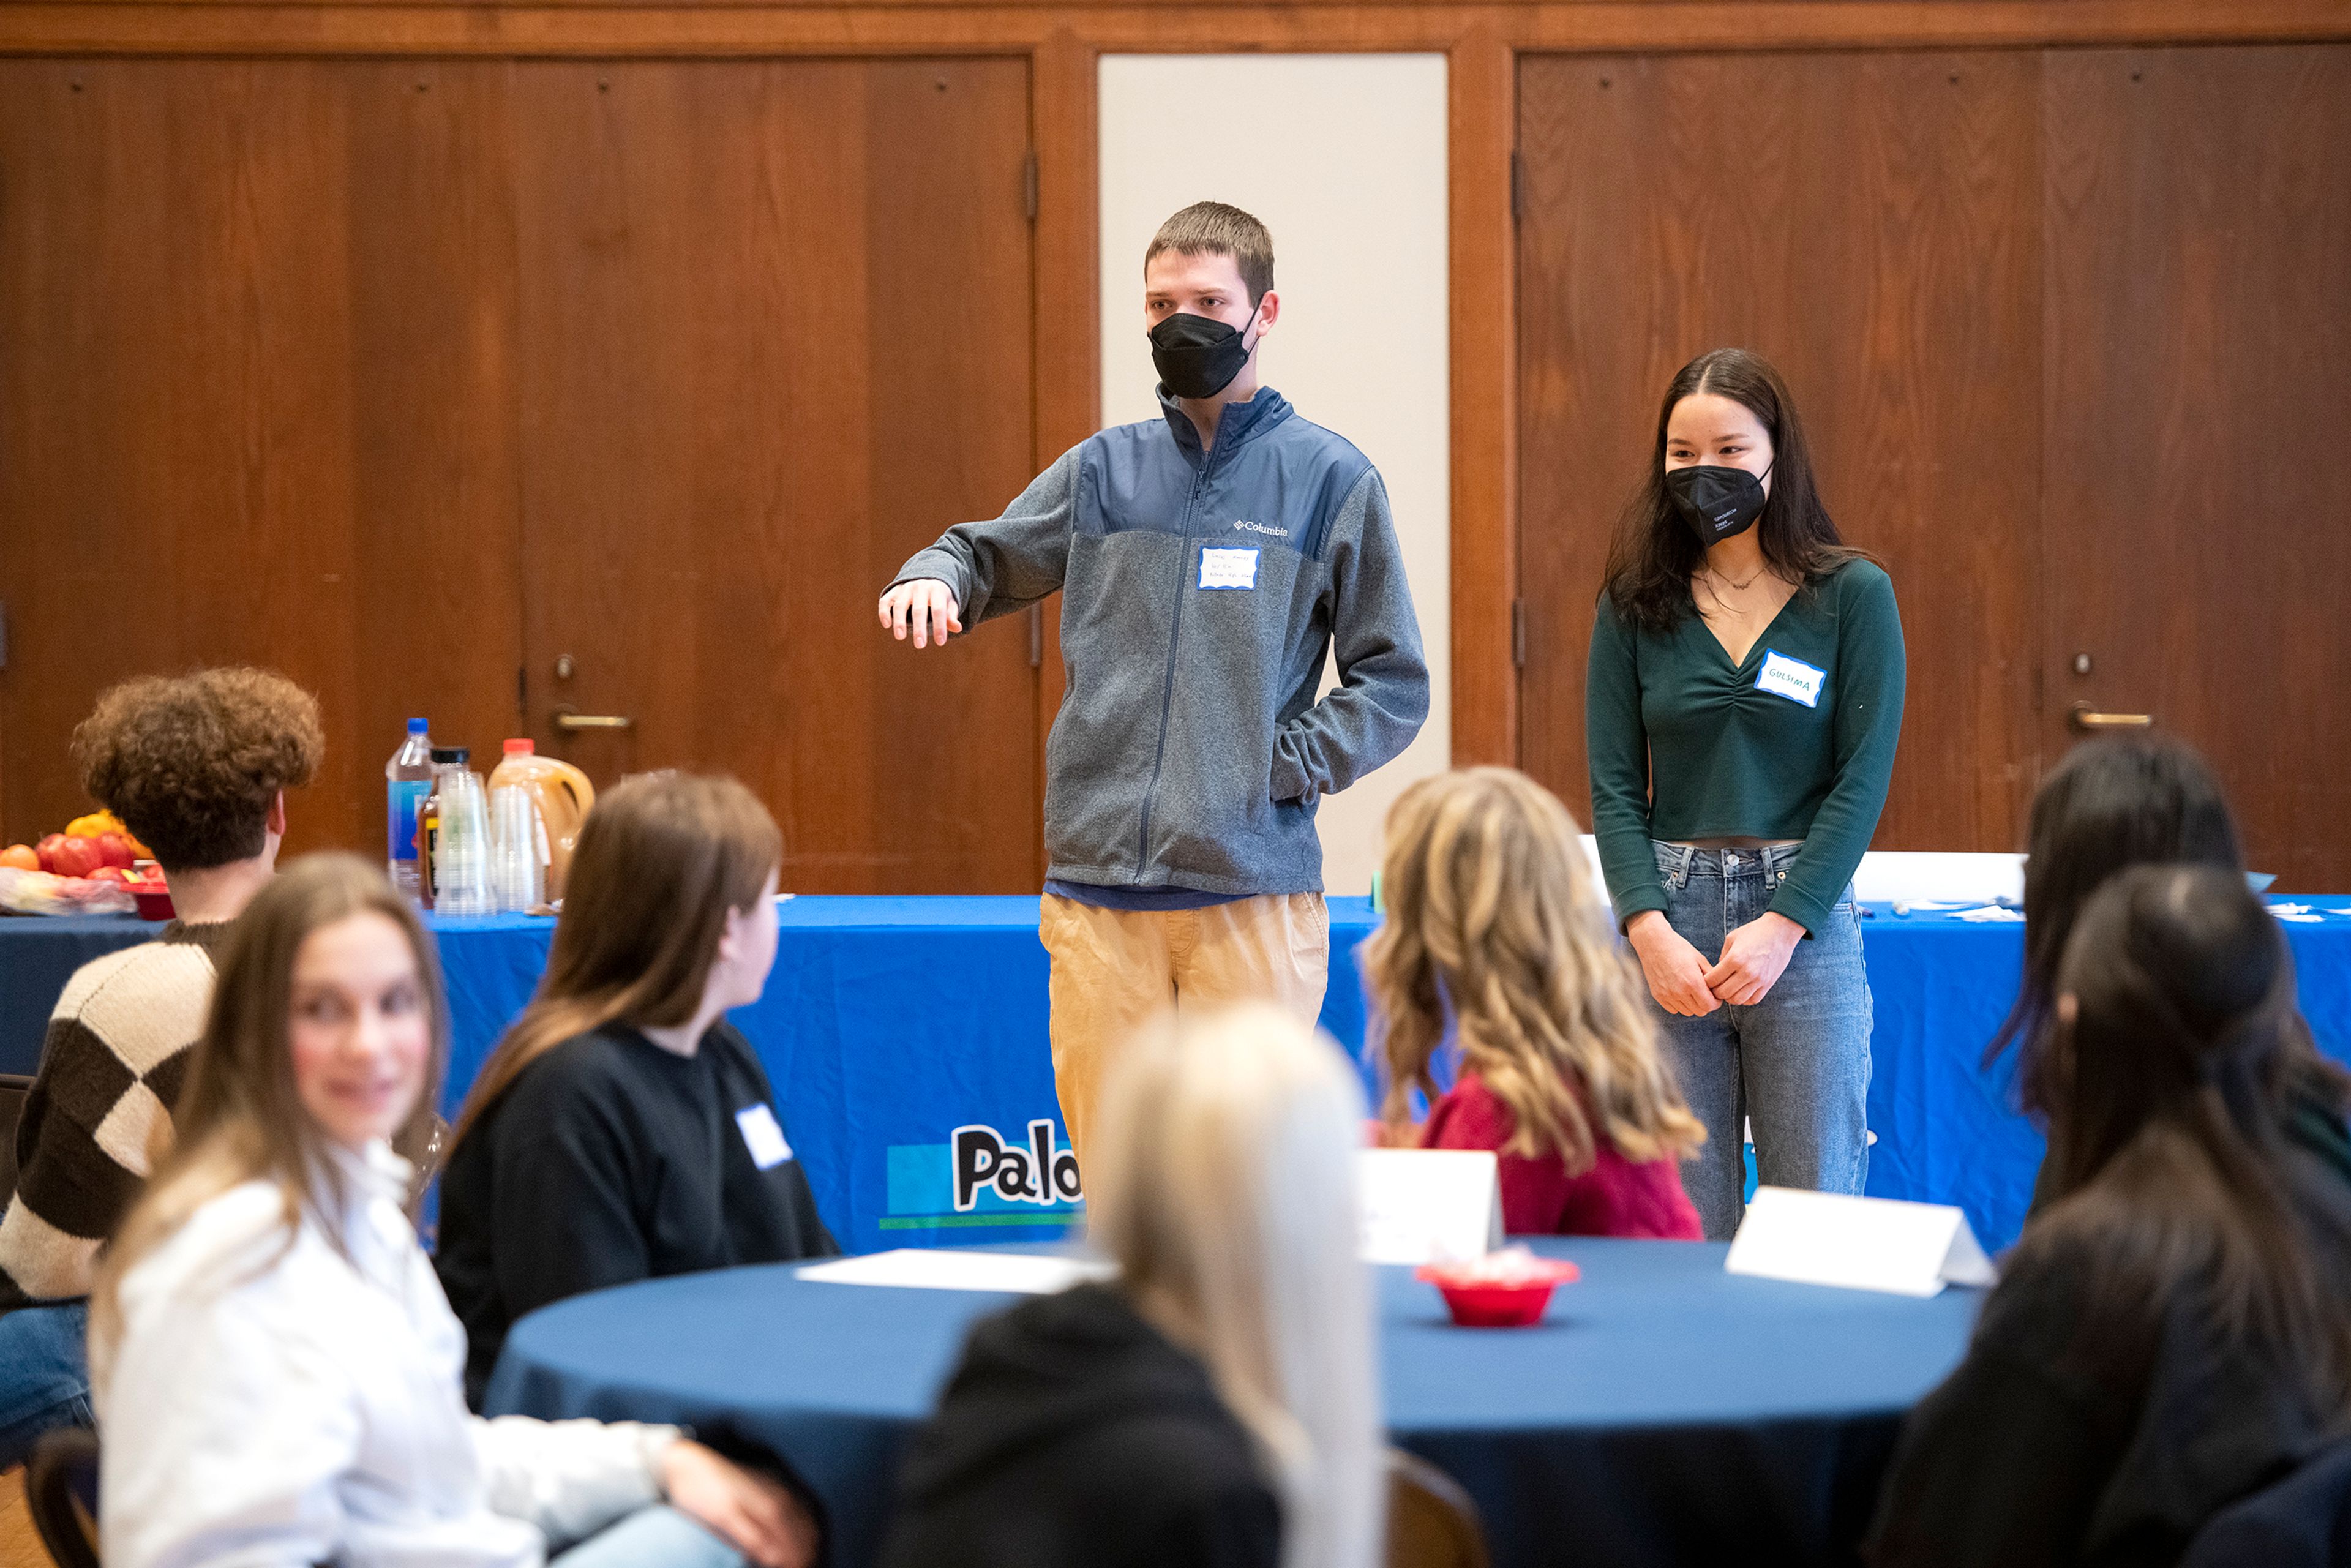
1685 745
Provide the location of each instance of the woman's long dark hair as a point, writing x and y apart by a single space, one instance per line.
1655 551
2172 1087
662 859
2113 803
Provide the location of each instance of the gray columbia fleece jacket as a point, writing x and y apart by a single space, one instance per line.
1199 592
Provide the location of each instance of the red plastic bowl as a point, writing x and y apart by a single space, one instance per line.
1486 1304
1497 1306
154 898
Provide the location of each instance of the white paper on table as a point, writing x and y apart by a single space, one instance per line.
1915 876
1992 913
1859 1243
1590 843
926 1268
1428 1206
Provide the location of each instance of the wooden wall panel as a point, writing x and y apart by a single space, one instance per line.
774 327
232 429
436 456
1870 224
2199 542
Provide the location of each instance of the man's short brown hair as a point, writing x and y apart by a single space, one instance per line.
190 763
1212 228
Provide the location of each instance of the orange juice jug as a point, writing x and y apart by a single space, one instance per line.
563 796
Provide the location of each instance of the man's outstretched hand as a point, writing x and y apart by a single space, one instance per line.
924 606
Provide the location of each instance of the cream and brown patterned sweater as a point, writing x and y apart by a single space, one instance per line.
111 1066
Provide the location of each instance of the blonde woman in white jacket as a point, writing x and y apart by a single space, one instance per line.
275 1370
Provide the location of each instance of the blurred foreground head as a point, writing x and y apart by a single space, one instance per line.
1222 1179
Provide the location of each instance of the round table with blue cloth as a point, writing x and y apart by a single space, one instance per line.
1663 1411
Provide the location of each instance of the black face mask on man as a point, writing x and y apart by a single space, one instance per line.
1718 503
1197 356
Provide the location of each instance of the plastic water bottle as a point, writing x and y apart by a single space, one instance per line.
408 778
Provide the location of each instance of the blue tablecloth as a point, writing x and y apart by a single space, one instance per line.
1663 1411
891 1023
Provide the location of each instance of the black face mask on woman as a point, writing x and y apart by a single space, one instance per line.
1718 503
1197 356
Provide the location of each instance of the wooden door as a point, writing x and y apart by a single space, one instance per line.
252 406
1868 223
2199 542
774 337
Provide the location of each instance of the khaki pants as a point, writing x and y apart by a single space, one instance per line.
1115 969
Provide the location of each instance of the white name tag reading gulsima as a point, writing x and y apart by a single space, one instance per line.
1790 678
762 1136
1227 568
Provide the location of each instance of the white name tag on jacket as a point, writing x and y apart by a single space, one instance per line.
1790 678
1227 568
1428 1206
762 1136
1860 1243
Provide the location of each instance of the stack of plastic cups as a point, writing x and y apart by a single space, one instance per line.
461 862
516 870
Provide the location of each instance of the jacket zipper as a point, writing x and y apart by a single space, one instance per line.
1167 690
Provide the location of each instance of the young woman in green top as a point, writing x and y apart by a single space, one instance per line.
1741 709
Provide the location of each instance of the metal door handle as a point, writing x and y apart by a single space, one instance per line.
568 717
2088 720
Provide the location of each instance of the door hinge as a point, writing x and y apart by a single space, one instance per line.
1036 636
1518 185
1518 634
1029 185
522 690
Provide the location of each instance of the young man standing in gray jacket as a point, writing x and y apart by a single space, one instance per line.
1207 559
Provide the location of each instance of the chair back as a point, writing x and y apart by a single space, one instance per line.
1432 1523
12 1090
61 1494
2302 1520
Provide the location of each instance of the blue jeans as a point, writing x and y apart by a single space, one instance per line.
1795 1065
44 1375
655 1537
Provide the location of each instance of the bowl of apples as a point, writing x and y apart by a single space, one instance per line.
94 867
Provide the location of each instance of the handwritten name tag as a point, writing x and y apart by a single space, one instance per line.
763 1136
1790 678
1227 568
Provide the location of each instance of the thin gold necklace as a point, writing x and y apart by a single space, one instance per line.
1737 587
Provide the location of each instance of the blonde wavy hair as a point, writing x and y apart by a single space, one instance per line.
1492 907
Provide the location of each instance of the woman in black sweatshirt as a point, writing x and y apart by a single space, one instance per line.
623 1130
1215 1407
2171 1332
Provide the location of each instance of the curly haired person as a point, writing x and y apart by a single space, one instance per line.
197 765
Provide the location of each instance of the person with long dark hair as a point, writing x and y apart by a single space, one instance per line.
1741 709
2117 802
623 1130
2169 1335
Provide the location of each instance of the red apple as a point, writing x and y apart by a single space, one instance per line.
114 849
114 873
46 851
74 857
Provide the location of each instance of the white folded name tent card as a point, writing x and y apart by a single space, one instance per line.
1428 1206
1861 1243
928 1268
